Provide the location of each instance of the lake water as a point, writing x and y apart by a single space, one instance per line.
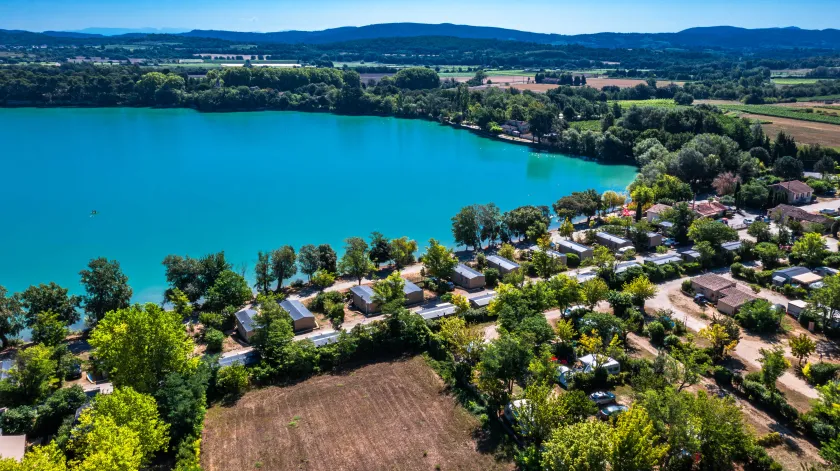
182 182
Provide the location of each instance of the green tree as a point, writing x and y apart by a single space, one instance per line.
327 258
232 381
642 195
182 399
40 458
686 365
180 302
544 264
389 293
594 291
101 444
11 317
48 329
682 217
811 248
707 252
380 249
566 291
439 261
417 78
138 346
466 228
50 297
802 347
283 264
34 374
542 121
135 411
402 251
773 365
583 446
106 288
230 291
641 289
503 361
760 315
769 254
567 229
309 260
721 340
355 261
272 334
788 168
490 221
760 230
714 232
635 444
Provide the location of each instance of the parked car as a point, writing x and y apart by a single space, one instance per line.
829 212
748 221
611 411
701 300
571 310
602 397
669 242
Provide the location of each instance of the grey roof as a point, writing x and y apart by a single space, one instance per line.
245 358
503 262
574 246
731 245
790 272
483 299
441 310
611 238
467 272
666 223
296 309
586 276
325 338
549 252
246 318
364 291
663 259
624 266
410 287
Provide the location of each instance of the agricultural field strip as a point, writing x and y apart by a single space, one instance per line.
782 112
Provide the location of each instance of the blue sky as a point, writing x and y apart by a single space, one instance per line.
548 16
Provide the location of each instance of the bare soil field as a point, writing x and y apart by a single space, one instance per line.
383 416
500 79
805 132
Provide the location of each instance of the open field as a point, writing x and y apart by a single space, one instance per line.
820 98
783 112
805 132
656 103
591 125
793 80
383 416
497 73
520 82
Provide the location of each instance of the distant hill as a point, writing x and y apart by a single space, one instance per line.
121 31
726 37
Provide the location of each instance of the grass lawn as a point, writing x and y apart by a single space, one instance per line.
591 125
658 103
383 416
793 80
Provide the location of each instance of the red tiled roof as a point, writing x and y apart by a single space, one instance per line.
658 208
735 297
712 282
793 186
798 214
709 208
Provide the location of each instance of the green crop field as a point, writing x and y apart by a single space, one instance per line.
657 103
590 125
493 73
783 112
819 98
793 81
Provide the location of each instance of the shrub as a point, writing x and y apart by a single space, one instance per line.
692 267
635 320
491 276
335 312
687 288
18 421
232 381
319 304
723 376
573 260
211 320
446 298
736 269
672 341
656 332
821 373
323 279
214 339
481 261
770 440
832 261
763 277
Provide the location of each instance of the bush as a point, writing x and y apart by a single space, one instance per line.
770 440
446 298
335 312
687 288
821 373
18 421
760 315
232 381
214 339
211 320
722 376
832 261
692 267
323 279
656 332
573 260
736 269
481 261
491 276
671 341
635 320
319 303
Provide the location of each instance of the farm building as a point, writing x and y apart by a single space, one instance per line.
436 312
502 264
654 239
664 259
612 242
732 299
567 247
12 447
302 318
786 275
784 212
654 213
482 300
363 297
711 286
709 209
796 307
245 322
467 278
794 191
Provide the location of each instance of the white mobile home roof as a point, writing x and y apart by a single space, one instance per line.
466 271
483 299
573 246
441 310
296 309
364 291
503 262
624 266
612 238
325 338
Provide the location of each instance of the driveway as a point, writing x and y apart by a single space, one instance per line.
670 297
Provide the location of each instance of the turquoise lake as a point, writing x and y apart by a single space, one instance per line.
182 182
